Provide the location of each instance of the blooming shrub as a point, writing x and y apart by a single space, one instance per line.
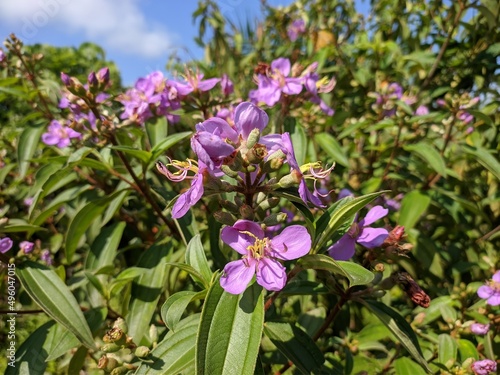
354 176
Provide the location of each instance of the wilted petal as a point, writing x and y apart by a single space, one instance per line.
307 196
271 274
372 237
485 291
247 117
343 249
237 275
377 212
292 243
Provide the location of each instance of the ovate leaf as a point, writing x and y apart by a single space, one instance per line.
45 287
230 331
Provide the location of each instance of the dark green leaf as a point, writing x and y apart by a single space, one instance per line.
413 205
332 147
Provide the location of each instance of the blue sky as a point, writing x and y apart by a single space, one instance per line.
138 35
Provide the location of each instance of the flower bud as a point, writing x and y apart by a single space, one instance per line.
92 80
228 171
66 79
153 333
107 364
253 138
291 179
103 77
224 218
269 203
275 218
246 212
122 370
230 206
256 154
142 351
110 347
121 324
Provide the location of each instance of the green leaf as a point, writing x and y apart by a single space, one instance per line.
340 213
430 155
299 139
54 297
486 159
467 349
230 331
356 274
196 276
405 365
296 345
19 225
142 155
175 305
447 350
399 327
156 130
27 146
175 354
147 289
413 205
165 144
81 222
332 147
196 258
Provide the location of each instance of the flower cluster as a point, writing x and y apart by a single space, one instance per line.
276 80
151 96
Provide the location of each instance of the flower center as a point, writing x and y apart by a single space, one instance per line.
495 286
258 249
354 230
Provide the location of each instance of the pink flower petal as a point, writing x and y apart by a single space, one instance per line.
377 212
343 249
372 237
271 274
292 243
485 291
247 117
237 275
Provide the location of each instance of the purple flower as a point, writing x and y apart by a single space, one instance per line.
479 329
276 82
26 247
261 255
484 367
3 56
46 257
195 83
190 197
28 201
59 135
311 81
491 291
227 85
465 117
422 110
361 233
151 96
296 28
5 244
215 139
304 192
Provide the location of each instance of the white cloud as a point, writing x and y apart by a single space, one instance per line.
114 24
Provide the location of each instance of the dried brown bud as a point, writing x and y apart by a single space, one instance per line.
412 289
261 68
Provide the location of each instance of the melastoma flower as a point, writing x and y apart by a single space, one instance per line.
479 329
275 82
491 291
361 233
261 255
215 139
5 244
190 197
59 135
26 247
195 83
296 28
227 85
484 367
314 85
